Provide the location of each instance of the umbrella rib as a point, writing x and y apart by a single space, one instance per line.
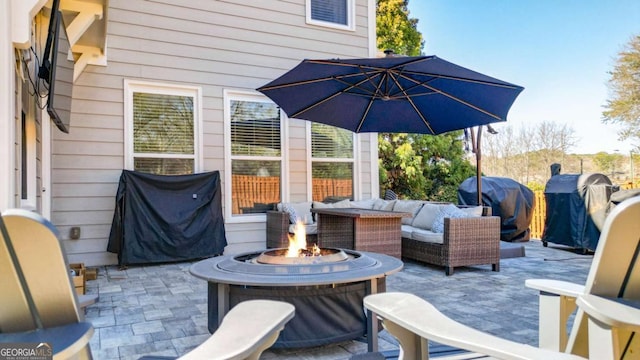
410 100
451 97
449 77
326 99
366 112
297 83
357 85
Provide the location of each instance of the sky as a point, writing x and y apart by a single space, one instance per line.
560 51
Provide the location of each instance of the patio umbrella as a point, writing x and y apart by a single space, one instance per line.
424 94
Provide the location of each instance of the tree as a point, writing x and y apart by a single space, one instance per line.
526 155
623 107
420 166
395 30
607 163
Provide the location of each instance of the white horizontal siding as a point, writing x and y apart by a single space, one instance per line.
216 45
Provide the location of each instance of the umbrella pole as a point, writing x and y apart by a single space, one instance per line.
478 165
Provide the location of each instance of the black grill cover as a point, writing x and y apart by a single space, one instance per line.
164 218
509 199
576 209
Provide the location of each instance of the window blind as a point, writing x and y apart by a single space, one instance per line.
331 142
163 124
334 11
255 128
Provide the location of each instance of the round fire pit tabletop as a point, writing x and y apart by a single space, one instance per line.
240 270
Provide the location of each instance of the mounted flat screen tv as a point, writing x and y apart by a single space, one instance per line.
57 71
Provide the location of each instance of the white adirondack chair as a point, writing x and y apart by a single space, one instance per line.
604 327
613 274
39 303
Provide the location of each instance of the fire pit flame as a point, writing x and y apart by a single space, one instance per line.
299 254
298 243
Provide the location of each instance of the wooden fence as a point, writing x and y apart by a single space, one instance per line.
257 193
249 192
324 188
539 214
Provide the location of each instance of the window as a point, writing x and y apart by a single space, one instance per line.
253 125
162 128
332 13
332 162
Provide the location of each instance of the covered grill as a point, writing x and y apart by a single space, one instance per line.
576 209
509 199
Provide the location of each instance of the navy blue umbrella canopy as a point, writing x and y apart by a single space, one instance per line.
423 94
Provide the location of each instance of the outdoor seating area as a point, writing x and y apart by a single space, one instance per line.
434 233
157 310
161 310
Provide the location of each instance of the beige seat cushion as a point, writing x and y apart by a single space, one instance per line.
425 217
408 206
427 236
406 231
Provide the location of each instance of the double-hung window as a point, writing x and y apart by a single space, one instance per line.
254 142
332 13
162 128
332 163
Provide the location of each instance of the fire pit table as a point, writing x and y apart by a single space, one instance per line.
327 294
361 229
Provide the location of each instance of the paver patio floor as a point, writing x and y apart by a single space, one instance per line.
162 309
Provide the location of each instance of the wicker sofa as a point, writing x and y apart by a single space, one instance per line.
463 241
459 241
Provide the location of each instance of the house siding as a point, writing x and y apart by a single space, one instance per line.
217 46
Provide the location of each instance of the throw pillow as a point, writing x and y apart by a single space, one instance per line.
303 210
408 206
293 215
390 195
473 210
386 205
447 211
363 204
426 215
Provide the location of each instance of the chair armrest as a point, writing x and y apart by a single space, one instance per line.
472 231
66 341
246 331
410 313
555 287
613 312
557 302
279 219
277 229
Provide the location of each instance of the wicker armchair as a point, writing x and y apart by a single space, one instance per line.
278 230
466 241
